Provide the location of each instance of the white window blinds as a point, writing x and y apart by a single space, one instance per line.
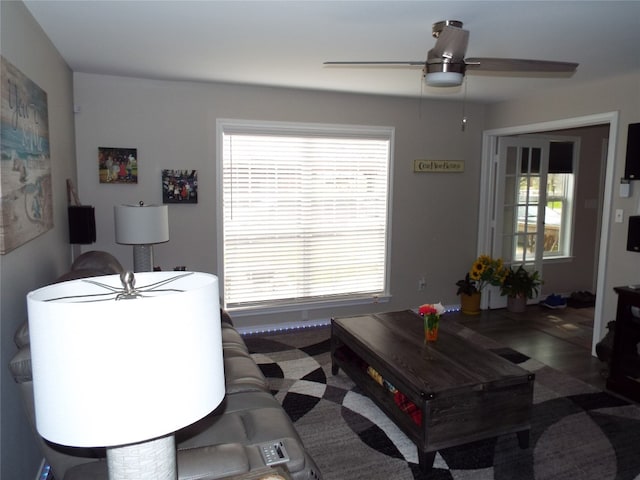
305 214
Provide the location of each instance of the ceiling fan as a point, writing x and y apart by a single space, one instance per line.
446 64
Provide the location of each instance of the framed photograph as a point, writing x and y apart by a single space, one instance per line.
26 205
118 165
179 186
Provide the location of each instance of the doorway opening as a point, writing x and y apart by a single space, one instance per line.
487 230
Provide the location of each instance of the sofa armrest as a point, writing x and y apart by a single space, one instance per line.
20 365
102 262
208 463
204 463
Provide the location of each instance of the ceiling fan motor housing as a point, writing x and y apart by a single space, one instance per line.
443 65
437 27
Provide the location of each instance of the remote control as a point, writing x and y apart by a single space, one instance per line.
274 453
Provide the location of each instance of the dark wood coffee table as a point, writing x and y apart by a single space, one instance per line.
463 393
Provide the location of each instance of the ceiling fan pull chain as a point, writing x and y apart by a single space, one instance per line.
463 124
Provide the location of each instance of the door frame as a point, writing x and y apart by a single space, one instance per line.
488 172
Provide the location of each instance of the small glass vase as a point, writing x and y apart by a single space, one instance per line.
431 324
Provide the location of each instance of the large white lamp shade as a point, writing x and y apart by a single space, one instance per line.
113 372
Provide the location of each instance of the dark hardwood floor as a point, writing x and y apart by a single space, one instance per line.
558 338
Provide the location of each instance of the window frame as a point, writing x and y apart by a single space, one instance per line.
226 126
567 223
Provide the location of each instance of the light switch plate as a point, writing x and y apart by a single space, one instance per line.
619 215
625 189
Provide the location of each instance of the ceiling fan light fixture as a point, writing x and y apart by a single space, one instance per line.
443 73
444 79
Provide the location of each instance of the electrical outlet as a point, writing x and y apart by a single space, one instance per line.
619 215
422 284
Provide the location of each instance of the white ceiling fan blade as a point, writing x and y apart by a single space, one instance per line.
518 65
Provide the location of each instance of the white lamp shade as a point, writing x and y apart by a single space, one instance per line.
141 224
444 79
115 372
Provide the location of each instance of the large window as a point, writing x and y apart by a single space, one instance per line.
305 213
557 215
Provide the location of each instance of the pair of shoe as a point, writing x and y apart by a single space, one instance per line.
582 299
554 301
585 297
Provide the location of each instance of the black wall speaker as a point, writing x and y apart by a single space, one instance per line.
82 224
632 164
633 236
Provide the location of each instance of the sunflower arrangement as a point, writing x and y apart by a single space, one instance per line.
487 271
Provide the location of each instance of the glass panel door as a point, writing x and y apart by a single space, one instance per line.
520 205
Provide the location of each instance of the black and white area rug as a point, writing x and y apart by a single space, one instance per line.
578 432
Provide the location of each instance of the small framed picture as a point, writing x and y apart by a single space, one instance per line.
179 186
118 165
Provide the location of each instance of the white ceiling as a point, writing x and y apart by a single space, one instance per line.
284 43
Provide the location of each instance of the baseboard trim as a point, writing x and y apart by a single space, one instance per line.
299 325
44 472
283 327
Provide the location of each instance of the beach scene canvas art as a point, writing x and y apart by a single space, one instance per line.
26 209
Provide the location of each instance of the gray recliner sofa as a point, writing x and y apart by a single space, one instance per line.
224 443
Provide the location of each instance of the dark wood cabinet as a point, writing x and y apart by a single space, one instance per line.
624 370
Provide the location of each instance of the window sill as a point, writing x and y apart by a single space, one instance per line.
558 259
294 307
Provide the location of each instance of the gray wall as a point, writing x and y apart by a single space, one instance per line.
44 258
173 126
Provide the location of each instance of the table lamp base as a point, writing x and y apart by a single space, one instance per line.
143 258
152 460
